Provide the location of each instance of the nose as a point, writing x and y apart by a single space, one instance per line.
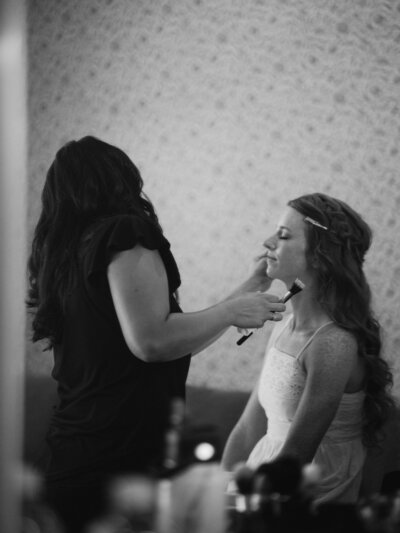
270 243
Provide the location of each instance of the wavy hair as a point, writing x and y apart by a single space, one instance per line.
336 255
89 180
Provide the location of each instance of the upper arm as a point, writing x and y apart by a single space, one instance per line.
328 363
139 289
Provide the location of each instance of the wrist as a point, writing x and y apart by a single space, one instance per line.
227 310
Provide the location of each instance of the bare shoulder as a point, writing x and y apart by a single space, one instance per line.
336 339
332 346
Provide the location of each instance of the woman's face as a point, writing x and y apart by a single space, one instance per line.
286 249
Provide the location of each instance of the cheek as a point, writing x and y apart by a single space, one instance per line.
297 258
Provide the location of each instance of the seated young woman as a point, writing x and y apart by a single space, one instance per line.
322 394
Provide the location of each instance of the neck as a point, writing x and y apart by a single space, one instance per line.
307 312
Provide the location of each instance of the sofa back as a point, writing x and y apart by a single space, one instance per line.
219 409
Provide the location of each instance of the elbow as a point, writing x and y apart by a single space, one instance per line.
147 350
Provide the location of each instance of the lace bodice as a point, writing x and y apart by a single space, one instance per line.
283 379
340 454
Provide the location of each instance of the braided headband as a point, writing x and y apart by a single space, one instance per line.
315 223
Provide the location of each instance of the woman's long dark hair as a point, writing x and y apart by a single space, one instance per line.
337 254
89 180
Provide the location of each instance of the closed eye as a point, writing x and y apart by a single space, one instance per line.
282 235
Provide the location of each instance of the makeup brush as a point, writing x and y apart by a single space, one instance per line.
297 286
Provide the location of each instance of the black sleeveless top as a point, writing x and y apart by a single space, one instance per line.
113 407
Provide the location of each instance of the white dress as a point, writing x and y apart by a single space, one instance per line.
340 455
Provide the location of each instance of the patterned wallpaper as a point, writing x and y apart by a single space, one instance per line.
230 108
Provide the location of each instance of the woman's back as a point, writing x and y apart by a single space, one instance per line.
109 397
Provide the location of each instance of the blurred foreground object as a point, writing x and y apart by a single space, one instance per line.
186 495
381 514
278 497
36 516
13 130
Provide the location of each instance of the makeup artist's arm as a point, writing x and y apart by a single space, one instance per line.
332 368
139 289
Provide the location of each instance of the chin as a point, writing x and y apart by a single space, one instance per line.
271 273
276 276
273 276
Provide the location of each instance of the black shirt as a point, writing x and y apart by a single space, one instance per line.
113 407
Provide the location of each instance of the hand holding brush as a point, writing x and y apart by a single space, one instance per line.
296 287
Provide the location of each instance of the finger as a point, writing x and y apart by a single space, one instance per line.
272 298
276 317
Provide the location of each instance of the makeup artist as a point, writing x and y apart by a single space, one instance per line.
103 285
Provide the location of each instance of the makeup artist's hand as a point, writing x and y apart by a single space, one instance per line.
251 310
258 280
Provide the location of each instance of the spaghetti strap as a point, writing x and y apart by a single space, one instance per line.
312 337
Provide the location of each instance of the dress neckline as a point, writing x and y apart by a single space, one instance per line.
346 396
307 343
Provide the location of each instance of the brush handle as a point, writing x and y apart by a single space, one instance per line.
244 338
283 300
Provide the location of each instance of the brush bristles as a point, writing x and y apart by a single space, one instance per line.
297 286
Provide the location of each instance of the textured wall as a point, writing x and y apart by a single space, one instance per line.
230 108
